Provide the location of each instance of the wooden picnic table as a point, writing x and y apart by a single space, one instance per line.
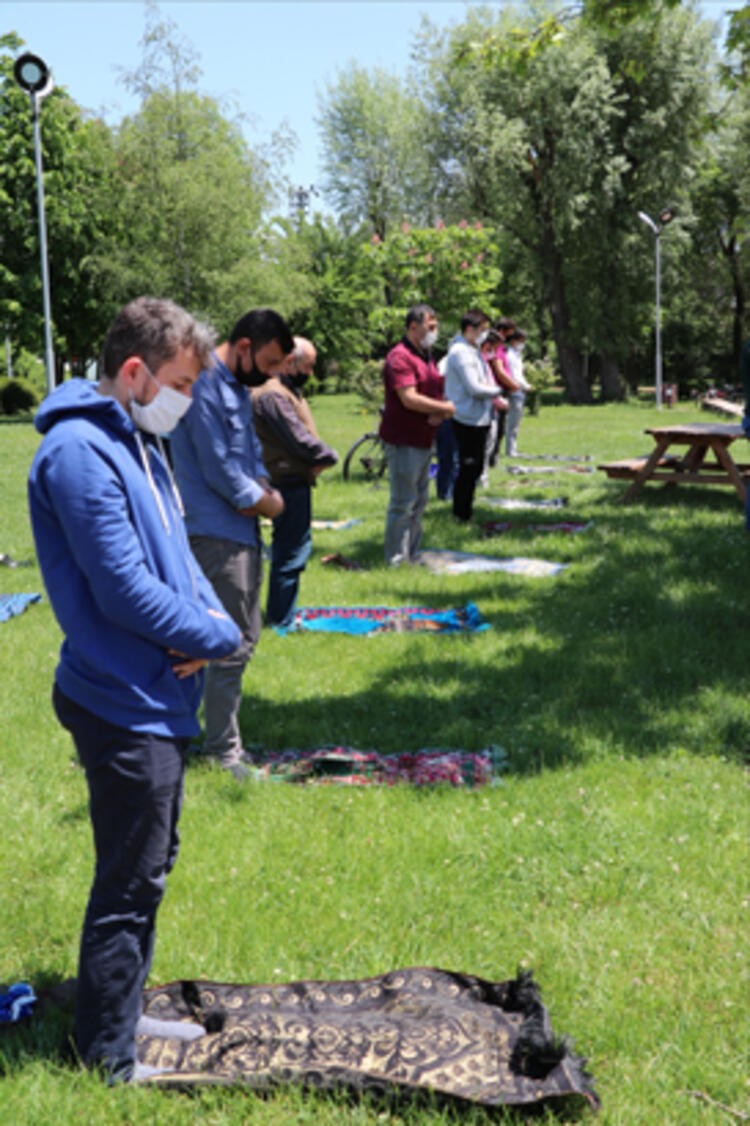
689 466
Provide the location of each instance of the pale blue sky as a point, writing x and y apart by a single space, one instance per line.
271 60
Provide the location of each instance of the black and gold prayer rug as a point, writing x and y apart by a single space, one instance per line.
408 1030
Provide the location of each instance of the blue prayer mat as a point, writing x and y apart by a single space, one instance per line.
360 620
13 604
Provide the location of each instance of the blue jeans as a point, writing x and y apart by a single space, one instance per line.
135 782
290 551
409 479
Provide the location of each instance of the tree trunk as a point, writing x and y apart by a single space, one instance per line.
739 301
571 360
613 385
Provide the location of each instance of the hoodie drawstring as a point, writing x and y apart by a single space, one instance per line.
170 474
150 477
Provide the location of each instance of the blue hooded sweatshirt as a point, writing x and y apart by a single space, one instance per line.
115 558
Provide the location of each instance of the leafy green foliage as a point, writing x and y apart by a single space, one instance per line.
77 163
450 267
559 133
736 71
341 290
374 152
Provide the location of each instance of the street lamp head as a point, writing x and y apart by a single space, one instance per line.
644 218
32 74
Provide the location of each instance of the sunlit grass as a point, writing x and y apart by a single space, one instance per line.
612 858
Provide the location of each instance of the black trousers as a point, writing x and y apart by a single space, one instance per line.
135 794
471 441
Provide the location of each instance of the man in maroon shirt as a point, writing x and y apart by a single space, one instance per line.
414 408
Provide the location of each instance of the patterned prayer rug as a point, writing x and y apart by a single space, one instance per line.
530 469
336 559
13 604
333 525
346 766
464 562
498 527
411 1030
386 619
518 504
553 457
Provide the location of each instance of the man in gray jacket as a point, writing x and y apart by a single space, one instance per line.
472 389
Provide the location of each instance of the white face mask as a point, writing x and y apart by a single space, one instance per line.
482 337
162 414
429 340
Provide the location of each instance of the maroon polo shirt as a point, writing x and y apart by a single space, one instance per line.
406 366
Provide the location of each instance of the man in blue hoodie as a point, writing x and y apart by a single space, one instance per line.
140 620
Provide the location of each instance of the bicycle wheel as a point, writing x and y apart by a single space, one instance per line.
365 460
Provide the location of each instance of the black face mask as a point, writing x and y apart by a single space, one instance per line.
297 381
252 378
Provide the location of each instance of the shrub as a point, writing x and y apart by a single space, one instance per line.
30 369
17 396
367 382
542 376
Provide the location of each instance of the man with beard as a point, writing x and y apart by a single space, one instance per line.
295 456
225 487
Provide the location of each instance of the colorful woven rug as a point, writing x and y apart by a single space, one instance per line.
405 1032
464 562
346 766
386 619
498 527
13 604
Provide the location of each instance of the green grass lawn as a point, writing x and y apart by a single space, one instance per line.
612 858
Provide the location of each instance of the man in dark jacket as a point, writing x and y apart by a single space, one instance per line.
294 456
140 620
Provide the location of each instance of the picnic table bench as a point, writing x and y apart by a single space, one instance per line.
690 466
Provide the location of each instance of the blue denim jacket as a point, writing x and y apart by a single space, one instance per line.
218 460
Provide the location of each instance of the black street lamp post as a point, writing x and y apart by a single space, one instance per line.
33 76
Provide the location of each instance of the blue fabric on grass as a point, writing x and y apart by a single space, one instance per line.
13 604
360 620
17 1002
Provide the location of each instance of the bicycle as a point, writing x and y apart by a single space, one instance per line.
366 458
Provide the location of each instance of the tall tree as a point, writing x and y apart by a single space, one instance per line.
194 196
374 160
77 159
341 290
560 134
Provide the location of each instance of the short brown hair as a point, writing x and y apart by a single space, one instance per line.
154 329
